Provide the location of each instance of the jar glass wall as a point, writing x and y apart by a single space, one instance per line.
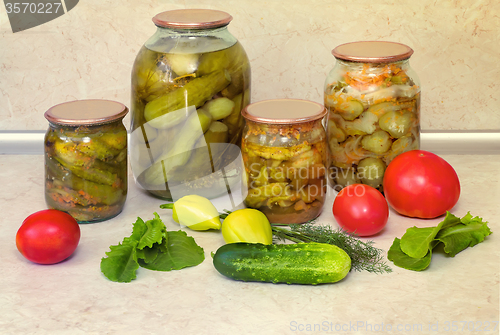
373 98
86 159
190 81
285 159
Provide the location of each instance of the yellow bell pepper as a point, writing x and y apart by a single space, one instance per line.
247 225
194 212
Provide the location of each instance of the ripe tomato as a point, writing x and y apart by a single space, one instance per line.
48 236
421 184
361 209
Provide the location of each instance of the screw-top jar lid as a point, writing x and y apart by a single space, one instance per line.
284 111
372 52
192 19
86 112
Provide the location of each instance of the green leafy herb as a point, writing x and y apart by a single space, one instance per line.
152 247
414 250
180 250
364 256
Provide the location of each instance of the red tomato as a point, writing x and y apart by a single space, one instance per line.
421 184
48 236
361 209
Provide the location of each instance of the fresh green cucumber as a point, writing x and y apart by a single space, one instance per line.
301 263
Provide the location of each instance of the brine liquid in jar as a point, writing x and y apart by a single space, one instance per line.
86 159
189 83
284 153
373 99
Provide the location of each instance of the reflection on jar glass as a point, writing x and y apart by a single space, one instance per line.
86 159
373 98
190 81
284 154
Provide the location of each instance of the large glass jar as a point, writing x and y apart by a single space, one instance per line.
86 159
373 98
284 153
190 81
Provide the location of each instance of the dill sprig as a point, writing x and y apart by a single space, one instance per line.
364 256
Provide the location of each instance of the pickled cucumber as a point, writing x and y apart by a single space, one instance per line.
177 77
286 180
371 107
179 154
86 171
194 93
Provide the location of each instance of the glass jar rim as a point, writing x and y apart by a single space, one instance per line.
284 111
86 112
192 19
372 52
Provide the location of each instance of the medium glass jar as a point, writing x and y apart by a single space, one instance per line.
86 159
190 81
284 153
373 98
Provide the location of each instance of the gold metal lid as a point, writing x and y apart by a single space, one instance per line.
86 112
283 111
192 19
372 52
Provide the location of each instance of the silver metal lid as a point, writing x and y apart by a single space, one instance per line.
86 112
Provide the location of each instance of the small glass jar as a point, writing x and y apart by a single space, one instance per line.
373 99
190 81
284 152
86 159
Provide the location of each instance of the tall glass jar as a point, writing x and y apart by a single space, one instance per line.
285 159
86 159
190 81
373 98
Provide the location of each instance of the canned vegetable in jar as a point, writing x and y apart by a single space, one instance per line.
86 159
284 155
190 81
373 98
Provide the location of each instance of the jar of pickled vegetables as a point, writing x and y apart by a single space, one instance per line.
190 81
86 159
284 152
373 98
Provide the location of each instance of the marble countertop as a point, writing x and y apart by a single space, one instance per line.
453 296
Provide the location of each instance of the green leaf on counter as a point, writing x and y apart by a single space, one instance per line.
414 250
399 258
416 242
149 232
180 252
121 265
152 247
466 234
148 255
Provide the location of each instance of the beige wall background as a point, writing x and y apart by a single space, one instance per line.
89 52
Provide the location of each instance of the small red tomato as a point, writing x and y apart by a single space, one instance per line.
421 184
361 209
48 236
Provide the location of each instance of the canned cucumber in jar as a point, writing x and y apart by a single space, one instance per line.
373 98
190 81
86 159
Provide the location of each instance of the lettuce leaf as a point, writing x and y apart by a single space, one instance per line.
121 264
417 242
149 232
414 250
399 258
180 252
152 247
463 235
